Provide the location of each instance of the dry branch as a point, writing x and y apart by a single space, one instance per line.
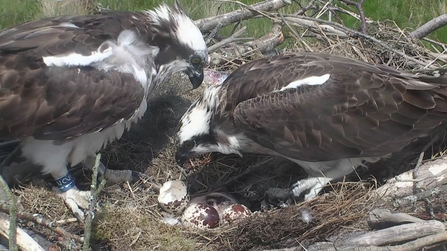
394 235
263 44
380 218
359 7
12 224
232 39
430 175
429 27
208 24
24 241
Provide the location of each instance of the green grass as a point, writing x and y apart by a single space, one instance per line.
408 14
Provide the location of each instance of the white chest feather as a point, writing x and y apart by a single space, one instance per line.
53 156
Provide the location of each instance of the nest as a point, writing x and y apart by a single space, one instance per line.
129 217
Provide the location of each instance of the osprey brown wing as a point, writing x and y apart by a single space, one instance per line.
69 34
61 103
361 110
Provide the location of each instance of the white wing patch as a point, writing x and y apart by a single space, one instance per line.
74 59
128 55
314 80
68 25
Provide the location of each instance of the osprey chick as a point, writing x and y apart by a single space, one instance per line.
69 85
327 113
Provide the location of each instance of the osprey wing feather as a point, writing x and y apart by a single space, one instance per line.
327 113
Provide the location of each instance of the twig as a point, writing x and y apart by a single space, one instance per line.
12 235
207 24
410 199
297 36
359 7
213 33
340 28
233 38
94 194
310 5
262 44
246 6
39 219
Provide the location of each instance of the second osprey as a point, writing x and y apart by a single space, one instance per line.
327 113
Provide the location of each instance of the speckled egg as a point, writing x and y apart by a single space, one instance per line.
173 197
233 213
200 215
219 201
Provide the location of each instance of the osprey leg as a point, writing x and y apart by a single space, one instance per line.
114 176
72 196
315 184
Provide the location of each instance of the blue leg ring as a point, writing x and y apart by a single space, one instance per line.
65 183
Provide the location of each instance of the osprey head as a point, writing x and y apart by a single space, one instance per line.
204 129
181 44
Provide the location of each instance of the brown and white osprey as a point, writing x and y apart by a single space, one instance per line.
327 113
70 85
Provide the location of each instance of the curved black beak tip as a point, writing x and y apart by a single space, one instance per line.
196 79
180 159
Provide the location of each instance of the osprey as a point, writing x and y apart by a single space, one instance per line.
70 85
327 113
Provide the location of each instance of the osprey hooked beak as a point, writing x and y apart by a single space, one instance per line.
184 153
194 69
182 157
195 75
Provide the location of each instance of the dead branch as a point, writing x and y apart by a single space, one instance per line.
402 186
340 29
233 38
359 7
12 224
24 241
381 218
394 235
263 44
429 27
418 244
38 219
207 24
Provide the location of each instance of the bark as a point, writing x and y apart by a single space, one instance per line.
208 24
429 27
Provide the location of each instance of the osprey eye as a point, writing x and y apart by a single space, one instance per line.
188 144
196 60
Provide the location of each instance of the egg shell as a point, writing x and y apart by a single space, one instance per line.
200 215
233 213
219 201
173 197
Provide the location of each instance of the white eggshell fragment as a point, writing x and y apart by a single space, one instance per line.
173 197
200 215
233 213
